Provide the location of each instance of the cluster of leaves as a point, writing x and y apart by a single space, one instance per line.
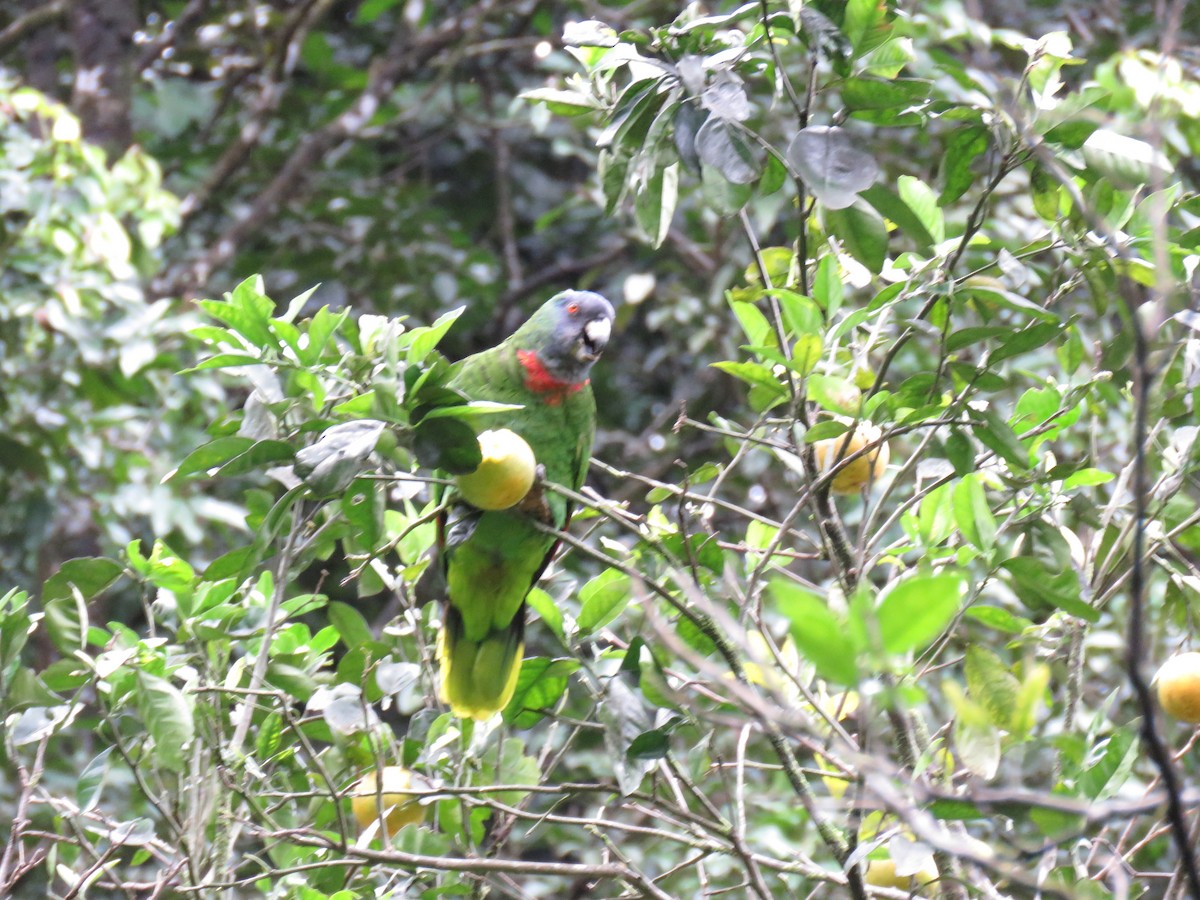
93 412
936 306
332 402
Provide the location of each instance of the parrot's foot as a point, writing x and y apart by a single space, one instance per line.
534 502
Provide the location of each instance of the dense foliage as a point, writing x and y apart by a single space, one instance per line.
831 228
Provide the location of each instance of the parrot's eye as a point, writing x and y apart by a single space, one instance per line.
573 308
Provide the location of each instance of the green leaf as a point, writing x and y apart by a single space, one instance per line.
988 293
889 204
562 103
1038 406
164 568
1057 824
998 618
1041 586
753 374
543 604
1071 121
232 455
1087 478
915 611
247 311
91 779
801 313
602 599
425 339
269 735
827 287
471 410
211 455
884 94
634 114
447 444
1046 194
991 685
654 203
1036 335
322 327
350 624
695 637
654 744
820 636
91 576
1107 776
978 747
168 718
65 620
934 522
825 429
919 198
1033 689
723 147
863 233
977 334
833 164
956 810
225 361
16 625
860 17
835 394
960 151
972 513
540 684
363 505
1126 162
995 434
724 196
806 353
755 324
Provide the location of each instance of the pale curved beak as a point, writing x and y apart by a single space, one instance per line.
595 337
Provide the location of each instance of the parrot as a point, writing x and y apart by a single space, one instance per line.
486 562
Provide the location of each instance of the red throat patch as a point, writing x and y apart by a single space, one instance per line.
538 380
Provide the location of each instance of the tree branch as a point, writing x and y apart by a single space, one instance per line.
17 30
401 58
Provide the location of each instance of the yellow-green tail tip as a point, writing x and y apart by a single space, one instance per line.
478 679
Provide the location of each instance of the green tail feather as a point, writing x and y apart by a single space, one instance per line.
479 677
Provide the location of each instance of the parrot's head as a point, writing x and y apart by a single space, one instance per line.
568 334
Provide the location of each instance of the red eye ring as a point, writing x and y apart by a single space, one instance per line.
573 308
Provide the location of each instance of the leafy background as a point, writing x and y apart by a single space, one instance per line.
974 227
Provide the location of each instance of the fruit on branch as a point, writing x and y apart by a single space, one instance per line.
505 474
388 800
852 476
882 873
1178 684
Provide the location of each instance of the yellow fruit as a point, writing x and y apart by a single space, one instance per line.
393 804
1178 685
865 469
835 784
505 474
882 873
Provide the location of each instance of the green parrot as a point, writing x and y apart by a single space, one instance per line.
487 562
